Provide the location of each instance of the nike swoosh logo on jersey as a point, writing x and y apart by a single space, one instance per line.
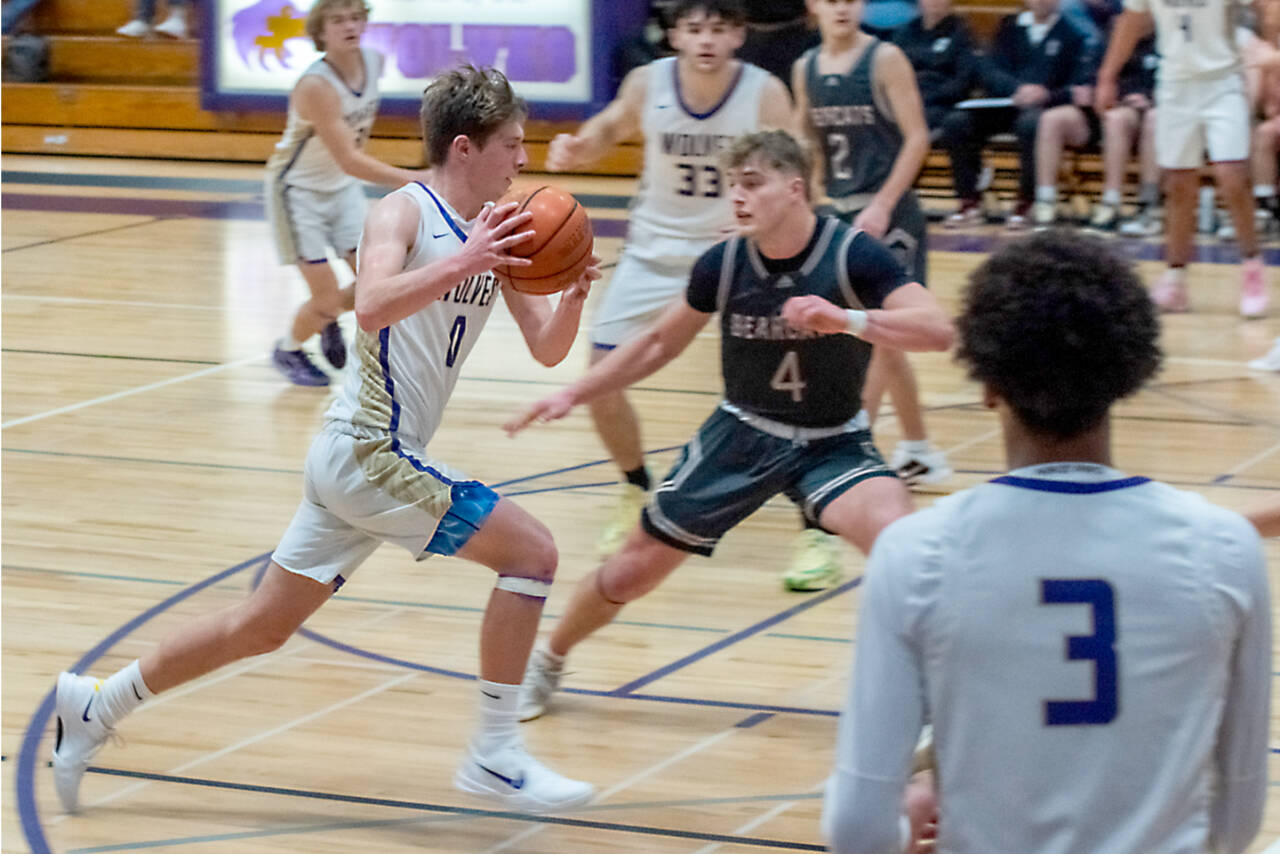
440 235
517 783
661 106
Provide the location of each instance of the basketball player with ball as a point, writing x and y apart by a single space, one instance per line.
424 291
687 108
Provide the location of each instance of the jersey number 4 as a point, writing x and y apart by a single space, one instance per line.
1099 647
787 377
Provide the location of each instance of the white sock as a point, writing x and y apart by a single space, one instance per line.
1263 191
1111 197
499 723
288 342
916 446
121 693
557 661
1179 273
1047 194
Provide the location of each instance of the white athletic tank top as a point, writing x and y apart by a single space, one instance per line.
682 192
405 373
300 158
1196 38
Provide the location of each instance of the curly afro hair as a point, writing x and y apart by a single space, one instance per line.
1061 328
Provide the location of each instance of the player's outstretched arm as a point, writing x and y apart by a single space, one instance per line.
386 292
317 102
615 123
550 332
669 335
910 320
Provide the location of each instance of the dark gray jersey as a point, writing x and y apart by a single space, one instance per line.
859 142
769 367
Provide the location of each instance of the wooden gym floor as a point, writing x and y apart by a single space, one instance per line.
151 457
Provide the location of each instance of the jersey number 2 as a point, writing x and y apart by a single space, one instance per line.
1099 647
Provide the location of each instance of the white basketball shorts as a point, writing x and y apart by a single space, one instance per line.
361 492
305 222
651 272
1196 118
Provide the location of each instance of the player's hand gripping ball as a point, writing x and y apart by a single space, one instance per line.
560 247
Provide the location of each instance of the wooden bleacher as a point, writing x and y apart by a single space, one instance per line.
111 96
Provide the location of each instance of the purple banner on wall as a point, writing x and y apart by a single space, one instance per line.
558 53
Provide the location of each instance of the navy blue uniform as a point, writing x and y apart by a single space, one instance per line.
791 420
860 143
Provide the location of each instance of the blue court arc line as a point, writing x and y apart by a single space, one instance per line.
24 782
419 806
661 672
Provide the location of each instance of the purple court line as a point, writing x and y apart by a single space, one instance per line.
188 208
24 782
712 648
1138 250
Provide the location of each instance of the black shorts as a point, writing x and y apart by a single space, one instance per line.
905 237
729 468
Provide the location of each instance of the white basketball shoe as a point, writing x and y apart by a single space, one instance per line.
513 779
541 680
80 734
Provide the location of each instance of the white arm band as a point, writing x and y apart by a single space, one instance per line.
857 320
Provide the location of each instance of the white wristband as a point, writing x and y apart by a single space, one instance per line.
857 321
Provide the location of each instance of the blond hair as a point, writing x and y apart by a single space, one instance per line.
315 17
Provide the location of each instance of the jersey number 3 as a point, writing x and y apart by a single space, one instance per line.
1099 647
707 186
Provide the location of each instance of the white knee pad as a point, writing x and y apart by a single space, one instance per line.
531 587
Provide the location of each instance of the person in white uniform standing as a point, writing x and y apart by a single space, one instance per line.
1093 649
424 292
688 108
314 197
1203 109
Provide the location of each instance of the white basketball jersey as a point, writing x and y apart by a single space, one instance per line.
300 158
1196 38
1094 651
405 373
683 193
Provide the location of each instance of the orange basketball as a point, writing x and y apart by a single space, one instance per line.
560 247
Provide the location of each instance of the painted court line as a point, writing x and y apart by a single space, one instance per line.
262 736
130 392
640 776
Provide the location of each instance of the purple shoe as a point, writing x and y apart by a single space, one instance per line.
332 345
297 367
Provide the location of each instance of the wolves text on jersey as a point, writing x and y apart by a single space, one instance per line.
695 144
473 290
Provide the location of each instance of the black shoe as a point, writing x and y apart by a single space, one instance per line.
332 345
